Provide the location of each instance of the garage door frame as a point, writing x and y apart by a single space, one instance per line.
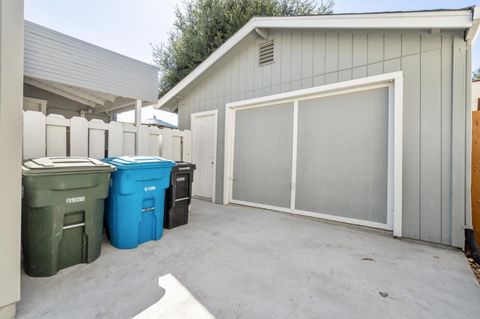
394 82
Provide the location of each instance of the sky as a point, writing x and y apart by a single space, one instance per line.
129 27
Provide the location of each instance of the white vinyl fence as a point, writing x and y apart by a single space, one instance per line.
54 135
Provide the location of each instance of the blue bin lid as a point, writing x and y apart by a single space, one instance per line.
135 162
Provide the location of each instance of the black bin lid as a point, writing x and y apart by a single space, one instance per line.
181 166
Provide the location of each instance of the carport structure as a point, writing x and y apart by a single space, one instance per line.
71 77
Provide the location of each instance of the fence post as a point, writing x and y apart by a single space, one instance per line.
143 140
57 135
78 136
115 139
154 141
96 140
129 139
167 142
187 146
34 129
139 144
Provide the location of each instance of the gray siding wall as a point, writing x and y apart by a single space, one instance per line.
434 68
54 56
57 104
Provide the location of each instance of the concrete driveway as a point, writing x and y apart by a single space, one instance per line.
249 263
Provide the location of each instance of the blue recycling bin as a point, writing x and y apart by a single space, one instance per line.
135 207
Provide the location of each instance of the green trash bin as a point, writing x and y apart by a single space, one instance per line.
62 212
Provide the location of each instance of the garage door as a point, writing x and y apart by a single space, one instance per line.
320 155
342 155
262 166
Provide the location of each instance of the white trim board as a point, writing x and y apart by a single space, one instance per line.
462 19
299 212
213 113
394 82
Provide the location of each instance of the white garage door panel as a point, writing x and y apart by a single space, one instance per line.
262 168
342 155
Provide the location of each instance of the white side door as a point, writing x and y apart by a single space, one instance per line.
204 147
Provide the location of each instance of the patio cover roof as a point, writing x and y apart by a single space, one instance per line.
102 79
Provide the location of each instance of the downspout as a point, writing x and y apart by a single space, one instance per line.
471 245
470 237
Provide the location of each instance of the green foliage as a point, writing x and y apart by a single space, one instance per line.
476 74
201 26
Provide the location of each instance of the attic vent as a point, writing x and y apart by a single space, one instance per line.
266 53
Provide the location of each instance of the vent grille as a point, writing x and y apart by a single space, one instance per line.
266 53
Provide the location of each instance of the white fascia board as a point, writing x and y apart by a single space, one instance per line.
462 19
415 20
214 57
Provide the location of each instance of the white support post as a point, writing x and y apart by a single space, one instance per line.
11 101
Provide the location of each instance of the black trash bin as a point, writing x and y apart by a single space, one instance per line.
179 195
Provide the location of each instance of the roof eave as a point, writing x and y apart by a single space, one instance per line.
456 19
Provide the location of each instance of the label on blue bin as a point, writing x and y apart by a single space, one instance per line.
150 188
73 200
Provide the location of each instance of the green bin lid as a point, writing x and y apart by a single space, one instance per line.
63 165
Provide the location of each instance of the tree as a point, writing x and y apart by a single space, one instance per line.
201 26
476 74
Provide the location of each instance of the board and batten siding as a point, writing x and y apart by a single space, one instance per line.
54 56
434 69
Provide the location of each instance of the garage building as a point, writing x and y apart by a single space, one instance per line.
356 118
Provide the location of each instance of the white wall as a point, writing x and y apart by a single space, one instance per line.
11 95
